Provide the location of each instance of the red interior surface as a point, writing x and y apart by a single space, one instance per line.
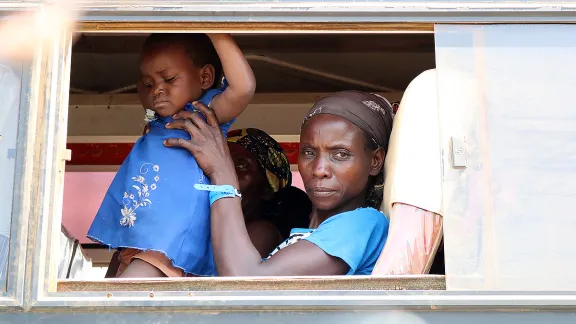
116 153
83 193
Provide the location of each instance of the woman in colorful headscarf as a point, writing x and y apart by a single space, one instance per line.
271 206
343 142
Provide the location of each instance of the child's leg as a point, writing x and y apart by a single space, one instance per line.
141 269
149 264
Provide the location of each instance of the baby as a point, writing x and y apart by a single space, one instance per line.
152 210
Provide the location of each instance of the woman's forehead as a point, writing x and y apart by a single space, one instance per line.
237 150
326 126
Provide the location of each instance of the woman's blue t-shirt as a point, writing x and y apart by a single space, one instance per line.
357 237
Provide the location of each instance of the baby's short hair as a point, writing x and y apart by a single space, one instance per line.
198 47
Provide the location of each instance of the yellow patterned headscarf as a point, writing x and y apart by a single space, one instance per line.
271 157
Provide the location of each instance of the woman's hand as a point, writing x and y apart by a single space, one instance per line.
207 143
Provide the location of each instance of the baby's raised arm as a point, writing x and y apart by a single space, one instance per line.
241 82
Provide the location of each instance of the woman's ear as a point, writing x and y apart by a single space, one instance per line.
207 76
377 161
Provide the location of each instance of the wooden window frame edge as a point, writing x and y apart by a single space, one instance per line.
50 140
328 283
254 27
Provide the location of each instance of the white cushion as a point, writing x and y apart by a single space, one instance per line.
413 173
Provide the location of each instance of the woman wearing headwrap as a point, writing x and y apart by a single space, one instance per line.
343 143
269 203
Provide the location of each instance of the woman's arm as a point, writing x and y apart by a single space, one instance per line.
241 82
234 253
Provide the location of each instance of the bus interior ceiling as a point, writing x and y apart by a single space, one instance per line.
292 71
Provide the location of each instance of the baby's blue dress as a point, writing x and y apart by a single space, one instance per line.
152 203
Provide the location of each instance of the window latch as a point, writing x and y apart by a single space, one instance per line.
67 155
458 152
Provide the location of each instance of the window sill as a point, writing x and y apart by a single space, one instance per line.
328 283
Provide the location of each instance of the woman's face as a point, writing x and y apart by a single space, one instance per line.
334 163
253 183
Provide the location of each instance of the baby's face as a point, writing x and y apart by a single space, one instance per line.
169 79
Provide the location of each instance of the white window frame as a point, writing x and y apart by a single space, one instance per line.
12 296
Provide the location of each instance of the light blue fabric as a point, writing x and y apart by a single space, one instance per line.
152 203
357 237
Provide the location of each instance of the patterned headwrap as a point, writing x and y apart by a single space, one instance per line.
369 111
372 113
268 153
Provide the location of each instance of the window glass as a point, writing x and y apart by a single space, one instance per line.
10 85
508 127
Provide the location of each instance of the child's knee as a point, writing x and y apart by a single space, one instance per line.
147 264
141 269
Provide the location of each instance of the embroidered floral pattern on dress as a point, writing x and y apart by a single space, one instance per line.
138 195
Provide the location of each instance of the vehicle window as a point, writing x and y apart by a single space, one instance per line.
508 121
106 117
